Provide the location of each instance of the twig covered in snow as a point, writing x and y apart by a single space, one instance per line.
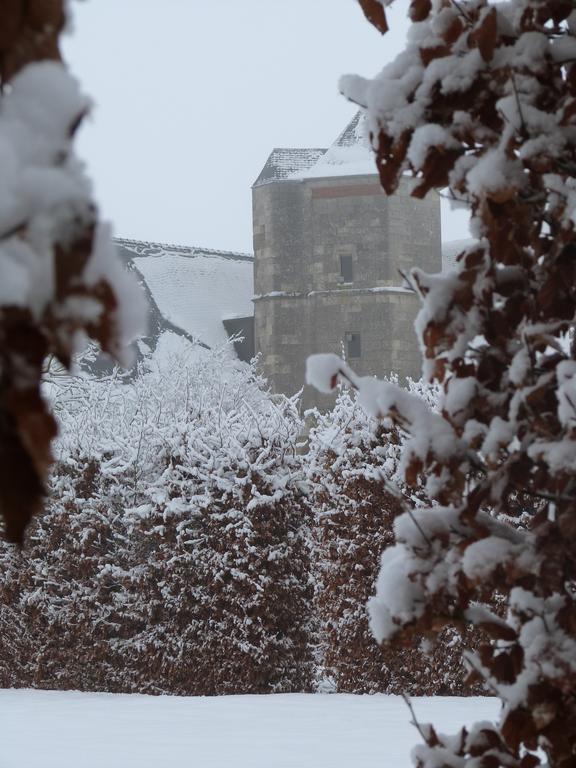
482 103
60 280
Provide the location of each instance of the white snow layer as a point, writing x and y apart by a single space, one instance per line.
358 160
198 292
71 729
43 190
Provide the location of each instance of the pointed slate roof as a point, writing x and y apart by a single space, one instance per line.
354 133
349 155
284 163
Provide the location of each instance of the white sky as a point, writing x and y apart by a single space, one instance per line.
190 96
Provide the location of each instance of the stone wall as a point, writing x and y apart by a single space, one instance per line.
302 306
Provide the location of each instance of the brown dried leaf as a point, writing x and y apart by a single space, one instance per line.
517 728
43 14
472 678
390 159
487 737
529 761
35 426
420 9
453 31
374 12
11 16
568 112
29 32
474 258
429 53
437 166
21 479
502 668
413 469
486 34
498 630
431 337
571 79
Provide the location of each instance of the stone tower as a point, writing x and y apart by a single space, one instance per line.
329 246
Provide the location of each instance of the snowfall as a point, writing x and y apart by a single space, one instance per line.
91 730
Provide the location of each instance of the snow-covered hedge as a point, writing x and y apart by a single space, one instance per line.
193 544
172 554
356 494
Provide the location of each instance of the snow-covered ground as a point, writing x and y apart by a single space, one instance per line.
78 730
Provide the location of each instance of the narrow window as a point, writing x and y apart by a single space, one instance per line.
353 345
346 269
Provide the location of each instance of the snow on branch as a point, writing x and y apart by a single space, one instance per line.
60 280
432 437
482 103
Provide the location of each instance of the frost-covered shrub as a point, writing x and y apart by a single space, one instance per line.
254 556
356 494
172 555
54 585
223 538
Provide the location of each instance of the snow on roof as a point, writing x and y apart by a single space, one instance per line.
451 249
349 155
145 248
341 161
282 164
194 289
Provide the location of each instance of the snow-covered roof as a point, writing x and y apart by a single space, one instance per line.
451 249
284 163
349 155
354 160
192 290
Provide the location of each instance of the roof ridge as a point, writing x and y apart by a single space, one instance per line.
190 249
299 149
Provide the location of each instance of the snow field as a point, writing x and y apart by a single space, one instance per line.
95 730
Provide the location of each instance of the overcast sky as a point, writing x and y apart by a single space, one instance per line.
190 96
